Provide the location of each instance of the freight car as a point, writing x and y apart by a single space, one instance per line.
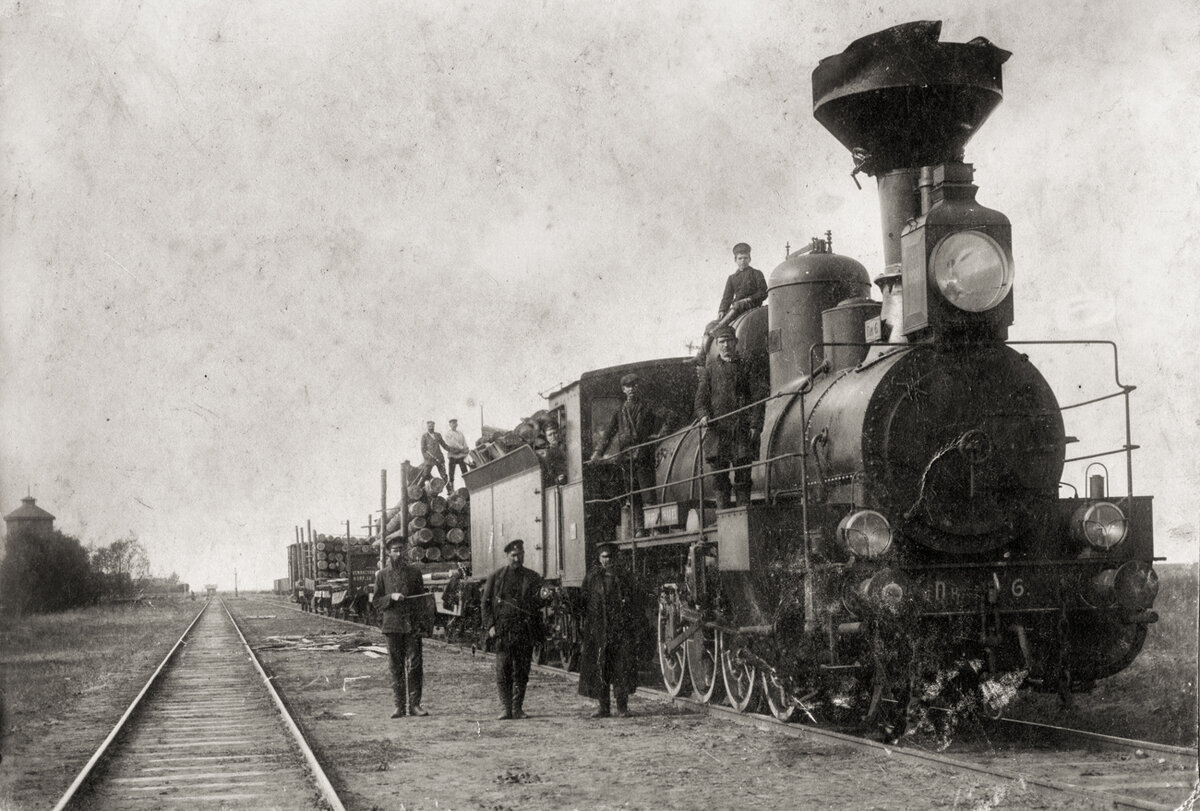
905 540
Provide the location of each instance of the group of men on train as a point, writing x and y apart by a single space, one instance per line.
511 604
725 394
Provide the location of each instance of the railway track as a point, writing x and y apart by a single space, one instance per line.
1107 771
207 729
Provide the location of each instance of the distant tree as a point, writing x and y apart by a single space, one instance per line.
121 564
45 572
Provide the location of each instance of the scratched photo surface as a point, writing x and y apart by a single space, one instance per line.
247 249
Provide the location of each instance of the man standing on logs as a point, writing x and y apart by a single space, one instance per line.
726 386
608 657
634 423
431 453
456 451
512 615
403 615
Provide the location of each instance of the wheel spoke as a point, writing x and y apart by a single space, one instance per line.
740 677
674 664
779 701
704 665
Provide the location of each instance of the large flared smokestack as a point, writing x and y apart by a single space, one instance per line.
899 100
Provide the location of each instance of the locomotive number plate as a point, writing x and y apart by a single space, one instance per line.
1005 589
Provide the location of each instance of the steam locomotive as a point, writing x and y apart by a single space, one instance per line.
905 531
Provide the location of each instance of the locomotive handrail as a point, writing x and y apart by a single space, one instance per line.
1122 449
698 477
686 429
1123 389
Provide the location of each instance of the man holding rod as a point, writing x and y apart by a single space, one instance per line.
403 606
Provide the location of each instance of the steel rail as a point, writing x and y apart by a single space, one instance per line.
328 792
1185 754
98 755
768 723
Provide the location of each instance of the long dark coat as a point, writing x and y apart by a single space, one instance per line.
727 386
611 627
635 422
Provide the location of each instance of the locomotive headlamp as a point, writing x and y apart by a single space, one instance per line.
1133 586
865 533
1101 525
885 589
971 271
956 262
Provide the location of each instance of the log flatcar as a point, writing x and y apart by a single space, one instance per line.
905 537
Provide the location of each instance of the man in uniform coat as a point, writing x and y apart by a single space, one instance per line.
635 422
726 385
608 657
404 614
513 617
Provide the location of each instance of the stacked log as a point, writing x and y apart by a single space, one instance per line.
332 554
438 525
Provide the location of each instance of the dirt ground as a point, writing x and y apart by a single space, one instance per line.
461 758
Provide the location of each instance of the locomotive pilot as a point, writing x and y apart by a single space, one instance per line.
512 614
404 614
726 386
633 424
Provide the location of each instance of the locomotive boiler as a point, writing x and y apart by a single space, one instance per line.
905 537
906 528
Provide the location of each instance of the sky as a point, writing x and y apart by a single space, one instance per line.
248 248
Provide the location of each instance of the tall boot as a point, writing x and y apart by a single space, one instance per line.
506 704
604 710
504 685
742 492
518 701
722 491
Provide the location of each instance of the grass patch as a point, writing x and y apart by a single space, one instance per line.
1155 697
70 675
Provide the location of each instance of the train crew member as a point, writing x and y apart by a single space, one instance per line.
431 452
513 617
554 455
634 423
456 452
745 289
725 386
608 657
403 616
